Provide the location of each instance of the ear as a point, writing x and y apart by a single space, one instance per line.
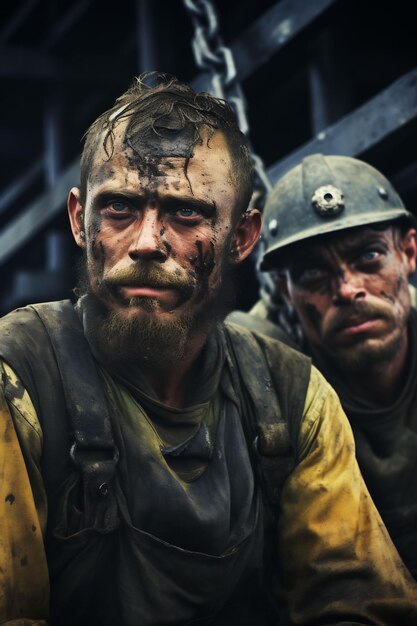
246 235
76 216
409 246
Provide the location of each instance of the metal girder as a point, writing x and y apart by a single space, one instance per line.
18 18
10 193
281 23
37 214
58 30
146 32
355 133
363 128
65 23
273 30
33 64
12 140
406 179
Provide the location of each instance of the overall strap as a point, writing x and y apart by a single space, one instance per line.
93 450
265 418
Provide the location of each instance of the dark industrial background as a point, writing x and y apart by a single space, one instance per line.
335 76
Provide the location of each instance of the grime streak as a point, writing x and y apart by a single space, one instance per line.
313 316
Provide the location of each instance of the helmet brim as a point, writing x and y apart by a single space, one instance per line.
269 258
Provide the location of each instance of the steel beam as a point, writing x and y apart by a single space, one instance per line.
271 32
18 18
355 133
60 28
12 140
146 35
281 23
10 193
37 214
371 123
34 64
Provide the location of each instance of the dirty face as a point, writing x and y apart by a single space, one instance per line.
158 226
350 292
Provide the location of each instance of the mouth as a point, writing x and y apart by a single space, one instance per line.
144 291
357 325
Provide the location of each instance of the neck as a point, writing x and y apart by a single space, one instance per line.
171 381
383 383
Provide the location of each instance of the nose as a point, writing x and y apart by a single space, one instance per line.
348 287
146 242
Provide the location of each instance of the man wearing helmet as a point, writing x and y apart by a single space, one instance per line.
340 247
136 429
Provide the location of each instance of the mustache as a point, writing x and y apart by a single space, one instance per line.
150 276
356 310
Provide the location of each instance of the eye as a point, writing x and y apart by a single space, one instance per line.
117 209
313 272
118 206
369 260
370 255
309 276
186 212
186 215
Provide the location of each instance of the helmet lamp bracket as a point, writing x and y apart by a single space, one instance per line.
328 201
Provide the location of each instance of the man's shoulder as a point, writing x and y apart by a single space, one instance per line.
280 355
33 312
24 331
260 325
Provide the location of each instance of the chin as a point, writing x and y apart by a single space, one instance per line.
367 354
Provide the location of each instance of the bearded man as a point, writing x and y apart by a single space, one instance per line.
341 248
146 446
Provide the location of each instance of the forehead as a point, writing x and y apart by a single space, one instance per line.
142 161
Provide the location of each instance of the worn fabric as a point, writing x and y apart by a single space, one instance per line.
333 560
24 584
386 446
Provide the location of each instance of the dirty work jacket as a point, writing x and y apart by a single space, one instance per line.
336 562
385 439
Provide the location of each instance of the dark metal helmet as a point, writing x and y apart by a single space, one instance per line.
324 194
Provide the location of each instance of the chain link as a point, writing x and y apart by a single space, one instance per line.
212 56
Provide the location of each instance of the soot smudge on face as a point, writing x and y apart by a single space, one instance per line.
185 169
164 241
99 254
148 167
387 296
95 226
167 247
102 173
313 316
397 288
204 262
170 136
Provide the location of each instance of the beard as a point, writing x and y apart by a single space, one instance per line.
119 338
363 356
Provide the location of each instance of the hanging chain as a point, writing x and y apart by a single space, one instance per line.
212 56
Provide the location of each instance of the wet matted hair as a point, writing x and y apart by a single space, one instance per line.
154 96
